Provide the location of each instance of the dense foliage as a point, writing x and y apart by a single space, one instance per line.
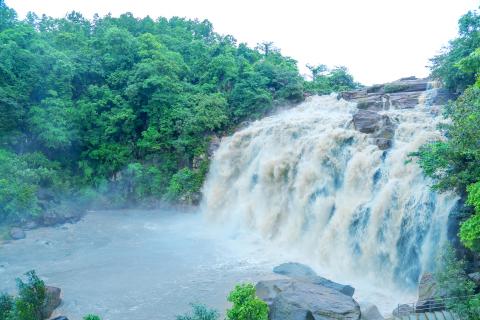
28 304
127 106
454 163
246 305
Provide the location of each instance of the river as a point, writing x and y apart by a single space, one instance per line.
137 264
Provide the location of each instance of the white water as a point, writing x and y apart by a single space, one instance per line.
321 192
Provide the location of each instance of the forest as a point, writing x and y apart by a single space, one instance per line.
121 111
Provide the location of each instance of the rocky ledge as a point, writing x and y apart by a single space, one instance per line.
401 94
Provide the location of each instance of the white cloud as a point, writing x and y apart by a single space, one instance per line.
378 40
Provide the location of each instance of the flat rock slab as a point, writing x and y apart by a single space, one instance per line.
291 299
303 272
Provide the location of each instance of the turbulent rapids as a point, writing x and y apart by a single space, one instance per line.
307 180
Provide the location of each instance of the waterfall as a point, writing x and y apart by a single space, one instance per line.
306 180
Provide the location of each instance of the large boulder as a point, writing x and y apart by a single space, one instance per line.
291 299
370 312
302 272
367 121
52 301
17 233
381 128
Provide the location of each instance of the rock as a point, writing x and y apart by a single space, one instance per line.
302 272
17 233
475 277
403 310
428 292
213 146
52 301
291 299
380 126
29 225
367 121
60 318
370 312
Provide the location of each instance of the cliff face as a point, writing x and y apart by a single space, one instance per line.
403 93
406 93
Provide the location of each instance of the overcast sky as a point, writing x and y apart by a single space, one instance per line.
378 40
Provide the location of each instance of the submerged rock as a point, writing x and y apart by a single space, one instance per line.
291 299
303 272
52 301
17 233
60 318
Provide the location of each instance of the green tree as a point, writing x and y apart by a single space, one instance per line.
246 305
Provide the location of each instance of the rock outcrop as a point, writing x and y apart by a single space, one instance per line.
52 301
302 272
404 93
17 233
291 299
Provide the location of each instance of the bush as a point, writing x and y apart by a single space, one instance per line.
246 305
91 317
200 312
28 305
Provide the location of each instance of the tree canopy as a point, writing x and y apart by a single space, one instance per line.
126 106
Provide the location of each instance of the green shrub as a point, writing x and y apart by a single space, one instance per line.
246 305
394 87
91 317
200 312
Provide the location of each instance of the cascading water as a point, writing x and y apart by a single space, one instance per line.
306 180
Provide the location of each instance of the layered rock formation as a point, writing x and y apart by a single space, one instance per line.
401 94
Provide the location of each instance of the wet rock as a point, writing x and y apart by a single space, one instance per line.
52 301
475 277
303 272
213 146
367 121
17 233
292 299
60 318
380 126
370 312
